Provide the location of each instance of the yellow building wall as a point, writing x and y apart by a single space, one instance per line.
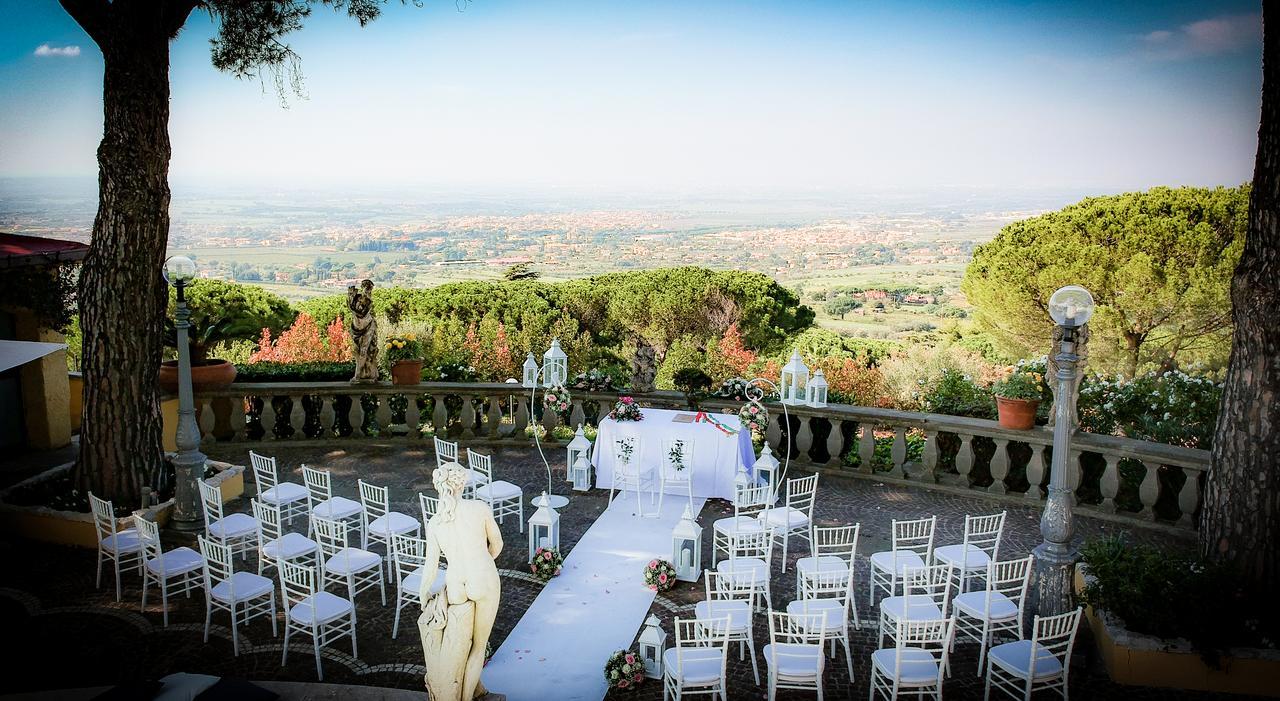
46 389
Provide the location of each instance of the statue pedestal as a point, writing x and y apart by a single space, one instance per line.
445 646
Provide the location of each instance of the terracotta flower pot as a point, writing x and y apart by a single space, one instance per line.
211 374
1018 414
406 372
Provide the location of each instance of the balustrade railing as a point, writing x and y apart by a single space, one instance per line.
1115 476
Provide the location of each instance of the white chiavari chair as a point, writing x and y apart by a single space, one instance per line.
916 663
912 547
310 611
796 517
980 547
732 599
1023 667
676 470
794 654
244 595
123 548
290 497
274 544
997 608
748 502
504 498
359 569
177 570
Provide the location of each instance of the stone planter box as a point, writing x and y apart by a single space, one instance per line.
64 527
1144 660
229 480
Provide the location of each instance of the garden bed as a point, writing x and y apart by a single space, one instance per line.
1144 660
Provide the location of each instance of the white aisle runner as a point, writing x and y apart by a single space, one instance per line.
596 605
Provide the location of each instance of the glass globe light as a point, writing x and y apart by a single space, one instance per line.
1071 306
179 269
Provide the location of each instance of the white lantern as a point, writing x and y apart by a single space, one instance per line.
653 640
555 365
795 375
579 446
740 479
544 528
530 372
582 474
686 548
766 466
816 389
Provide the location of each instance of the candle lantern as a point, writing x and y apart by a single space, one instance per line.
578 447
582 474
544 528
530 372
795 374
766 468
816 389
555 365
686 548
653 640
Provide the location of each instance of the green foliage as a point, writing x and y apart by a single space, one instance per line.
1158 263
694 383
226 311
957 394
1170 596
452 372
684 355
841 305
1023 383
823 343
1167 407
295 372
882 454
48 292
406 347
519 271
911 375
74 338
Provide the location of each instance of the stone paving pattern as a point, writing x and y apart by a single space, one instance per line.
74 635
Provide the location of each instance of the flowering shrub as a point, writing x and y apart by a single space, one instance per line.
1022 382
733 388
556 399
754 417
659 575
626 409
956 394
404 347
1167 407
301 343
595 380
852 381
546 563
624 670
453 371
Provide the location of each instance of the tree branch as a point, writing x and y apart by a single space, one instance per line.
91 15
176 12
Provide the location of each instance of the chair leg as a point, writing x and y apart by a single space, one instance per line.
115 561
145 581
786 540
521 519
315 646
354 652
755 667
97 582
235 636
164 600
208 614
274 630
284 654
382 586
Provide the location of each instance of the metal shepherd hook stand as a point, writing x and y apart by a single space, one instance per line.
755 395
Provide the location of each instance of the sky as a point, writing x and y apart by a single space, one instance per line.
757 96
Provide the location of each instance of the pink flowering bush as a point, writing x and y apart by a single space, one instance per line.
557 400
626 409
659 575
546 563
624 670
754 417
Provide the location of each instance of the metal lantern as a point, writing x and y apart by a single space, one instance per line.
578 447
766 466
795 375
816 389
686 548
740 479
530 372
555 365
653 640
544 528
582 474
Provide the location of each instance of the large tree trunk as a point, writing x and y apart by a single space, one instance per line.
1240 520
122 294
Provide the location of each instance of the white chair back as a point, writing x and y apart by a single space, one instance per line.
149 535
1056 636
297 582
753 544
916 536
932 636
925 585
211 500
677 459
722 587
830 584
446 451
408 553
480 463
268 518
792 633
1011 578
319 485
696 634
836 541
627 450
984 532
750 500
801 493
217 565
330 535
430 505
264 471
104 517
374 499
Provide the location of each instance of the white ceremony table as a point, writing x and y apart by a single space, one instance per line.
715 460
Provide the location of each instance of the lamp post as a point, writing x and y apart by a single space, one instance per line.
1070 308
188 464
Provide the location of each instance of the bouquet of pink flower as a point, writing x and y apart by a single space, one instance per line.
626 410
546 563
754 417
659 575
557 399
624 670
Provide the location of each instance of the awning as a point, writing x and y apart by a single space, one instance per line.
15 353
17 250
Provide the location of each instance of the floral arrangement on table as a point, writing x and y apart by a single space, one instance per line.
754 418
557 399
624 670
626 409
406 347
453 371
546 563
1022 382
734 388
676 455
659 575
594 380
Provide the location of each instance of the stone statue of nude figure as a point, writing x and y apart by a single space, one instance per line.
456 623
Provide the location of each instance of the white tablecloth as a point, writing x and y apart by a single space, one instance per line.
715 458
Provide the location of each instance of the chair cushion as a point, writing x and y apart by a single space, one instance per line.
694 665
247 585
393 522
476 478
739 613
288 546
809 566
498 491
233 526
337 508
974 558
413 582
919 668
794 660
126 541
351 561
921 608
973 603
741 569
177 561
283 493
885 561
785 517
738 524
1015 658
320 607
837 616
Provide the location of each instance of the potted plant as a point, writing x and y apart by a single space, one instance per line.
1018 396
404 354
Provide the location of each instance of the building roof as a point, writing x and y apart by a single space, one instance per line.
17 250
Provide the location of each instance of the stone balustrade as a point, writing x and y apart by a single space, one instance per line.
1111 476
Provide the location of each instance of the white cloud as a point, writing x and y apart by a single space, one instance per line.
67 51
1207 37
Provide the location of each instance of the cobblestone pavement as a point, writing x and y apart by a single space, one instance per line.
75 635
